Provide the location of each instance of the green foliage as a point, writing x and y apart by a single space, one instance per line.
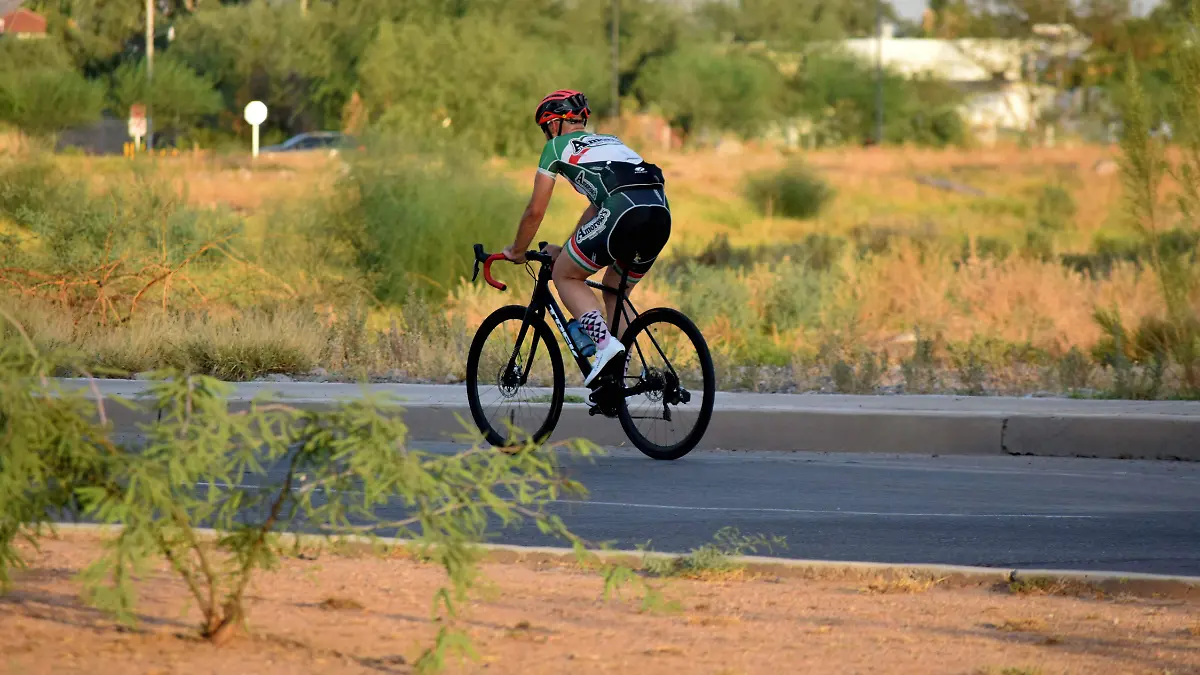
48 52
50 445
411 218
43 101
859 372
249 475
701 88
269 52
1074 371
178 97
95 31
816 251
971 362
1138 363
712 559
838 92
921 369
1056 208
470 79
1172 251
789 24
143 228
796 191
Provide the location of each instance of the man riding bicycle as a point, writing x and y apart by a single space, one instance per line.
624 228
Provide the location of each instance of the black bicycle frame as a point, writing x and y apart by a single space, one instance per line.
543 300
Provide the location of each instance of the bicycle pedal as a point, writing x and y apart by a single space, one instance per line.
610 413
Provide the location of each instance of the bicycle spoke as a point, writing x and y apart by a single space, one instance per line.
513 362
664 363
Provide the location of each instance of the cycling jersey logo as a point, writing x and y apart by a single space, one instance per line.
585 186
593 227
578 145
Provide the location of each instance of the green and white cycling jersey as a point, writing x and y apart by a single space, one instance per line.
597 165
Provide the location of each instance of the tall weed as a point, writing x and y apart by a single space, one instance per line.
412 217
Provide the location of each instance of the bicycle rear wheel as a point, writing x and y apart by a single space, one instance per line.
670 384
515 379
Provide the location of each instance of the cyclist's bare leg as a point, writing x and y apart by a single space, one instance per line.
612 279
571 281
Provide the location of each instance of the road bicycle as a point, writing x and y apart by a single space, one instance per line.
665 382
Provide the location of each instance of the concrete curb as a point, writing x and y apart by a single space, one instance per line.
893 425
1070 581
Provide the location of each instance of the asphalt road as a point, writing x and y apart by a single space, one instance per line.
1028 512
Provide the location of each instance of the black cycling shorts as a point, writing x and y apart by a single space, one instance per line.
628 232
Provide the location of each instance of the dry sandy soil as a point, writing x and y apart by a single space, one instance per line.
369 614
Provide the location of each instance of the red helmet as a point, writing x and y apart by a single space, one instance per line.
564 104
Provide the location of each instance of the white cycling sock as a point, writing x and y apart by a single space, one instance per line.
596 328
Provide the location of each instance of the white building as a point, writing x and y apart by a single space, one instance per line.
996 74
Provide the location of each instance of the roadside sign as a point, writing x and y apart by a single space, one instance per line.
255 114
137 122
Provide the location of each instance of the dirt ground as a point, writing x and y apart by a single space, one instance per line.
369 614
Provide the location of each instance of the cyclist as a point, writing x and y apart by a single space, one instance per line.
624 228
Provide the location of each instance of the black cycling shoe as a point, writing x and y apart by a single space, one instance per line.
602 401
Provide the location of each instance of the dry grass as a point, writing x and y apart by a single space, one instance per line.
1024 625
901 584
873 303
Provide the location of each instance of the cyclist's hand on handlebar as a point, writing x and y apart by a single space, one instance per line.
514 256
553 251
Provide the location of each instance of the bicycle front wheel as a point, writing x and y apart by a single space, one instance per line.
670 385
515 379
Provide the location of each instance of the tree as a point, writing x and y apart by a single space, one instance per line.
839 91
43 101
701 88
45 53
177 96
472 79
265 52
789 24
95 31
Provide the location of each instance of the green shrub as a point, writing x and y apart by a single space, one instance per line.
795 191
700 89
472 79
859 372
713 295
178 99
46 100
142 228
1056 208
796 298
1074 371
264 471
816 251
1039 244
921 369
839 90
988 248
412 217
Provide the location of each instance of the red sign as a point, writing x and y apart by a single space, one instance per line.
137 110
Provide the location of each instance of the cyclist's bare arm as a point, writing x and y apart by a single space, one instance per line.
531 220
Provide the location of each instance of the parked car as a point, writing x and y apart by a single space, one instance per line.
313 140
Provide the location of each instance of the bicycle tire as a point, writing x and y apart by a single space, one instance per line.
498 438
641 324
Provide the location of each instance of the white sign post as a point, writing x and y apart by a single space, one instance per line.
255 114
